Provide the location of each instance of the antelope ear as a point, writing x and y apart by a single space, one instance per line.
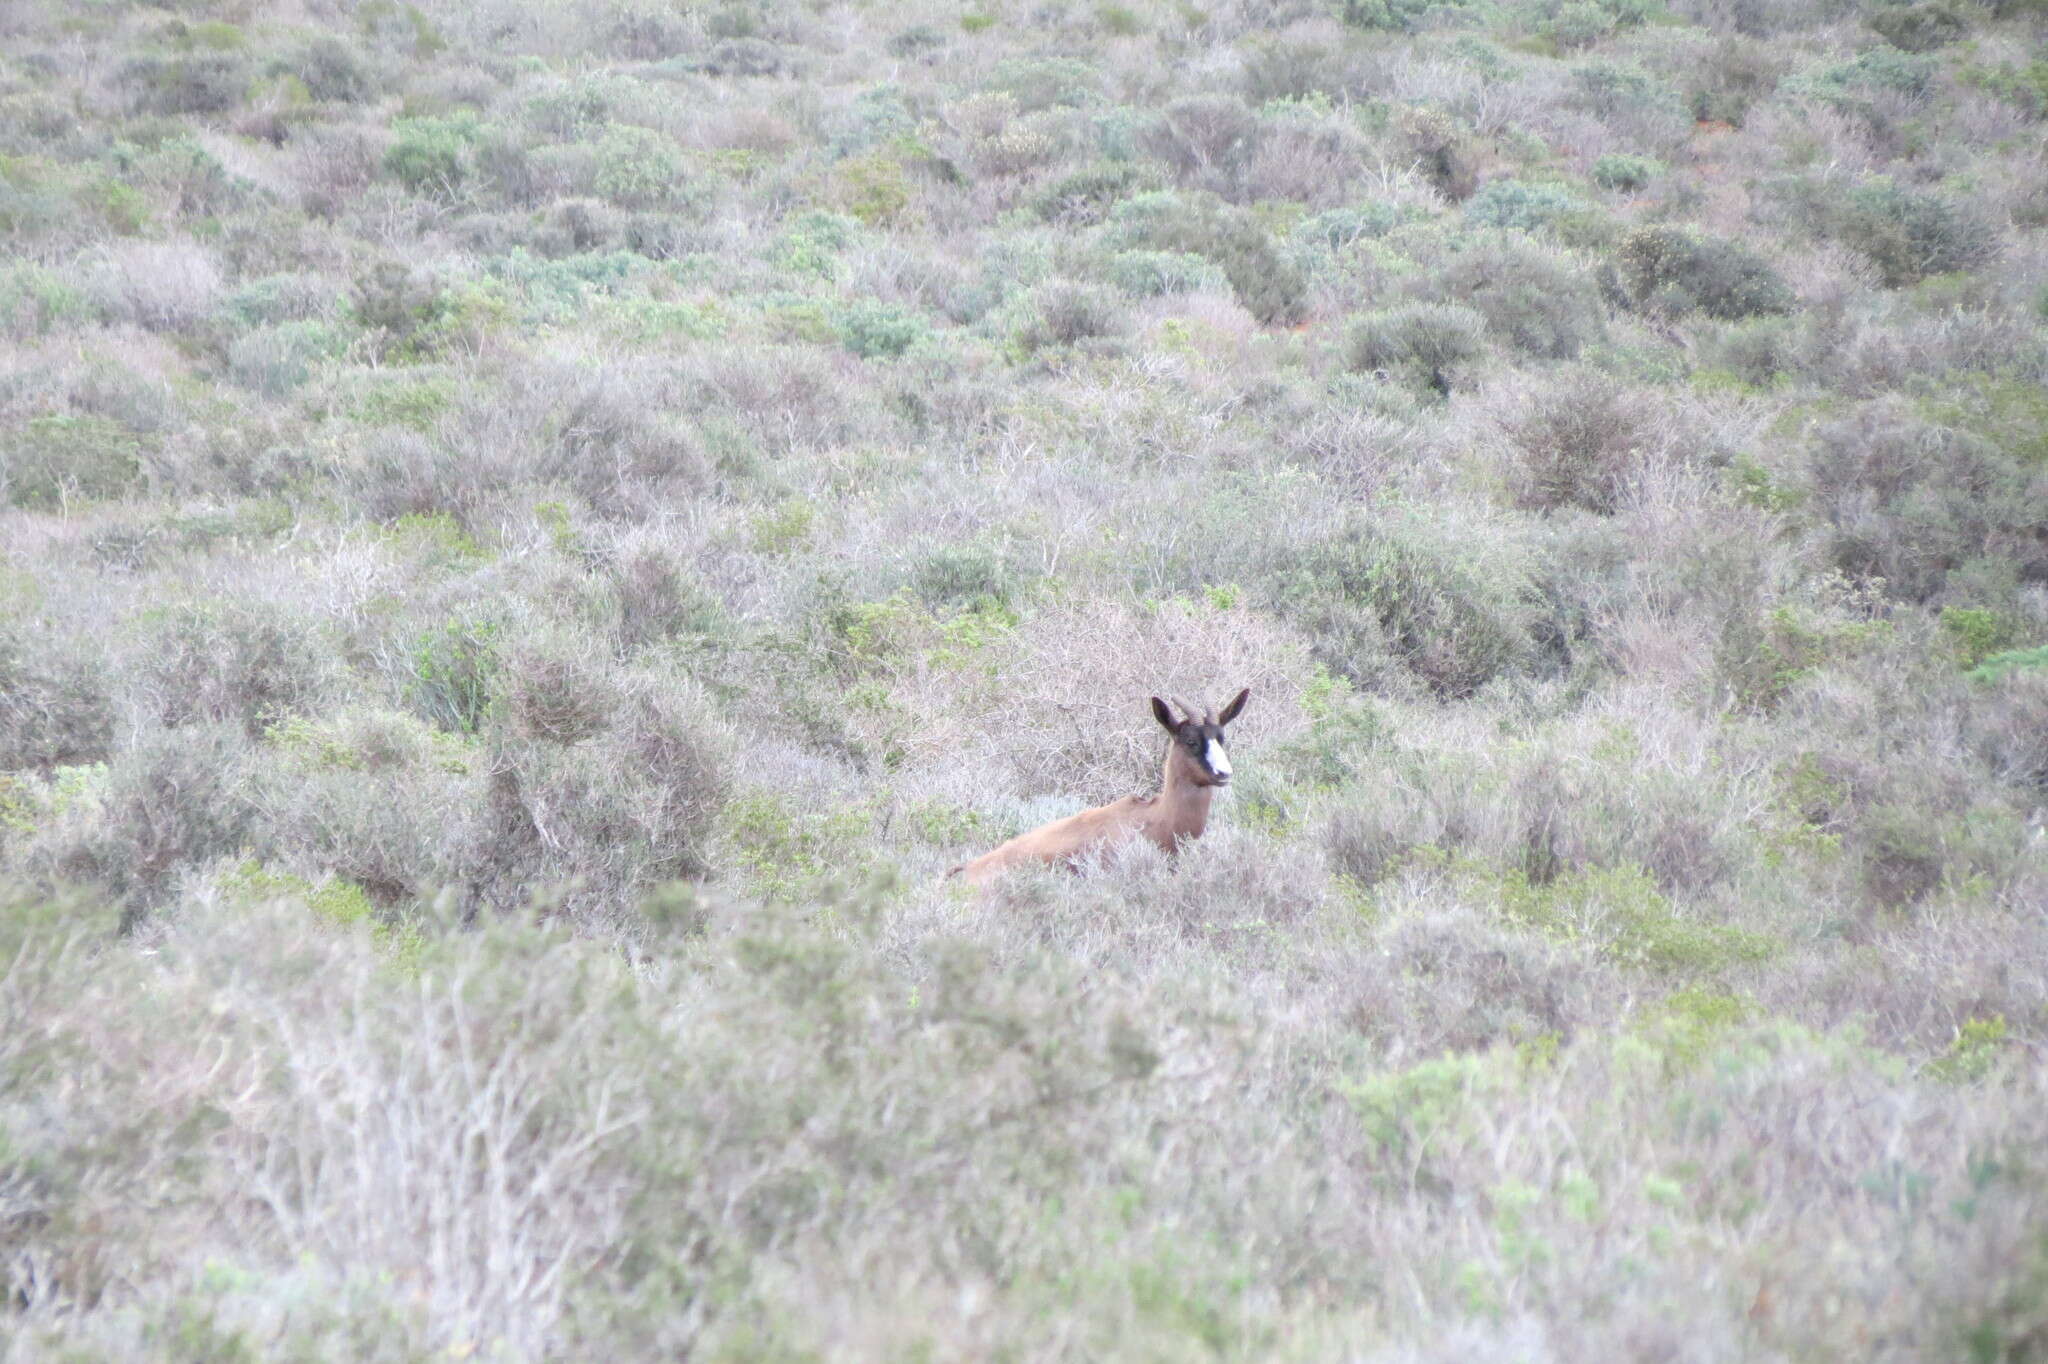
1164 716
1236 704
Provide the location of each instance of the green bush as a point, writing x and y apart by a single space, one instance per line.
1668 270
1395 16
1065 312
51 461
1039 83
198 82
1538 300
1452 614
433 155
450 673
1150 274
277 359
1427 344
1269 287
1910 235
1620 171
873 329
1920 27
638 168
1337 228
1515 204
330 69
1084 197
1848 85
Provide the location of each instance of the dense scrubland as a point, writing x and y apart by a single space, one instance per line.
531 534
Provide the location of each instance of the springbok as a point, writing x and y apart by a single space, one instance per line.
1195 766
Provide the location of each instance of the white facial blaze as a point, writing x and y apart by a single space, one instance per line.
1218 760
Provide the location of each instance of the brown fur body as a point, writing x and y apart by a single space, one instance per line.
1180 810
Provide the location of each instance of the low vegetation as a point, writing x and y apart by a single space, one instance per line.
531 535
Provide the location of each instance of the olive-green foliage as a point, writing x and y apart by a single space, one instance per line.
1621 171
51 461
56 707
1669 270
1849 84
277 359
1149 274
195 81
330 68
1621 911
1540 301
2001 665
1426 344
433 155
1270 288
1579 444
216 660
1086 195
1453 616
873 329
1910 235
450 672
1065 313
1912 502
1921 27
1517 204
637 167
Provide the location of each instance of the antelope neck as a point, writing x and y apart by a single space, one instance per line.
1185 800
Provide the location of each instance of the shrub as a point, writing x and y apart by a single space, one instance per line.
1537 300
1420 343
1149 274
637 168
1063 313
450 673
1084 197
1438 146
1205 139
551 692
275 360
1910 235
873 329
1394 16
241 662
186 82
594 824
170 802
1270 288
1337 228
1445 610
1038 83
330 69
1920 27
1911 502
1579 444
433 155
1620 171
393 298
1668 270
55 706
51 461
1524 207
1849 85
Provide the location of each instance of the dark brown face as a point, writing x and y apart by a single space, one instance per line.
1204 745
1200 738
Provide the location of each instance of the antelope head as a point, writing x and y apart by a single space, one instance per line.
1198 738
